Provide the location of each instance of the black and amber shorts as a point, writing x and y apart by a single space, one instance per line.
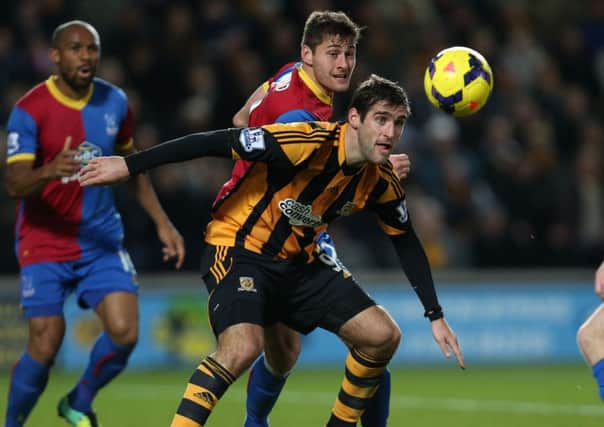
245 287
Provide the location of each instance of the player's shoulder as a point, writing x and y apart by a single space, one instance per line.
34 97
303 127
103 87
284 71
299 90
286 81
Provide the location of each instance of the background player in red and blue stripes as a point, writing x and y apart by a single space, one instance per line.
69 239
590 336
302 91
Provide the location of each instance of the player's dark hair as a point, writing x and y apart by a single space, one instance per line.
56 34
320 23
376 89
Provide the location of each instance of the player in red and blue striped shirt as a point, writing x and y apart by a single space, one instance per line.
69 239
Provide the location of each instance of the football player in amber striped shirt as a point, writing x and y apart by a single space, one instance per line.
260 264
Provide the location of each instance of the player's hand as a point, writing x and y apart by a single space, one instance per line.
64 164
104 170
401 165
174 245
599 281
447 340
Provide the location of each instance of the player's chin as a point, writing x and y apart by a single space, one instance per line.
339 84
380 158
384 159
85 82
81 83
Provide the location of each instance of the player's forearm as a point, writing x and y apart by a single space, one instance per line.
417 269
22 181
146 196
599 280
243 115
215 144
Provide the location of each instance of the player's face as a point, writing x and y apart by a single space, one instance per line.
333 62
380 131
77 57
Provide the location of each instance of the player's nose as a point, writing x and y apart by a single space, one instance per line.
341 61
388 130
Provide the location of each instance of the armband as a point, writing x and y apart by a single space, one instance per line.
434 313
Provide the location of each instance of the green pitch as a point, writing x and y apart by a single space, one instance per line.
526 396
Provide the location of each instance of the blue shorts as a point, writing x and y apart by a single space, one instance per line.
46 285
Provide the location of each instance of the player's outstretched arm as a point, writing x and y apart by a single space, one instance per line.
104 171
447 340
415 264
599 281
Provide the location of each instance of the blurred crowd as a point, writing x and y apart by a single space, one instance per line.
519 184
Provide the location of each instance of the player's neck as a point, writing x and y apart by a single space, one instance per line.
69 91
308 70
352 149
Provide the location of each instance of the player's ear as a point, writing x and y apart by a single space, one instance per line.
54 55
354 118
306 54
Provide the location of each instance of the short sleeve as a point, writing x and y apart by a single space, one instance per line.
22 139
125 142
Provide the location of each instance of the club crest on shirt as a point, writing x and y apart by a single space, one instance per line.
246 284
347 209
111 124
252 139
299 213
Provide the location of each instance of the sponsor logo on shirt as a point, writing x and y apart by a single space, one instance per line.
252 139
299 213
85 152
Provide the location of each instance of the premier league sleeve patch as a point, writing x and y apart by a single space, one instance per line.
12 143
252 139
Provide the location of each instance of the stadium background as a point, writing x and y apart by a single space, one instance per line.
509 203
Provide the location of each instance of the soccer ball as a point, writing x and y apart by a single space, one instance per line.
458 81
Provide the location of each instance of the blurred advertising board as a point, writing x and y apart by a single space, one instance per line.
495 323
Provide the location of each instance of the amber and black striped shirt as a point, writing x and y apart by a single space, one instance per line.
299 182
